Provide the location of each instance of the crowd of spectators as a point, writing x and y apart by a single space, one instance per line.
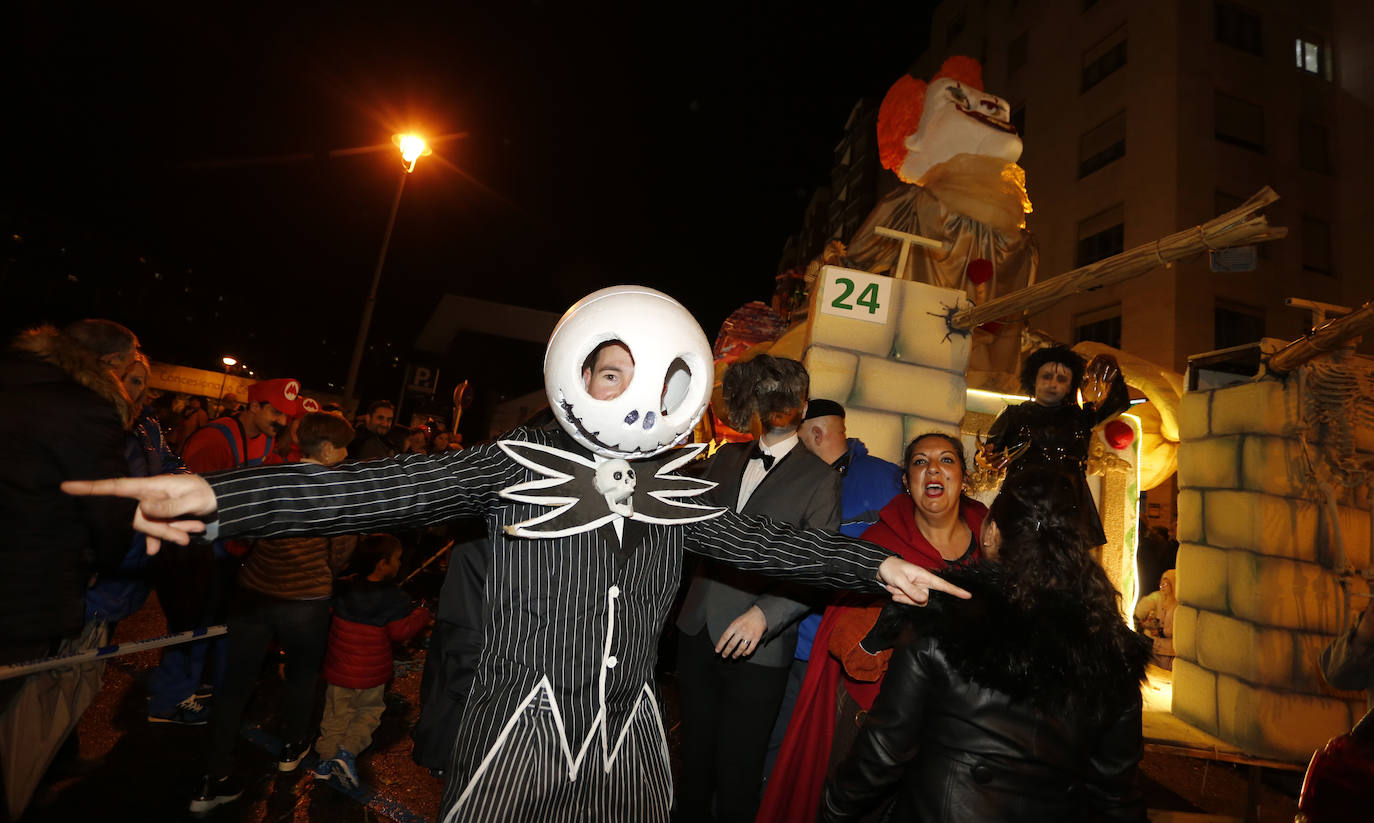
84 408
763 671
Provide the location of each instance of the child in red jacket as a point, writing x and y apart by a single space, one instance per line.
370 613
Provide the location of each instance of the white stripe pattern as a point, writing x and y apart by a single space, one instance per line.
570 613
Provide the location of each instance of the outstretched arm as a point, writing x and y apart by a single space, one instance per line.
352 498
811 556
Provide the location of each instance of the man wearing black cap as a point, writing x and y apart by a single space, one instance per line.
867 484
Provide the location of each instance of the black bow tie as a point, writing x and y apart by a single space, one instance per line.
758 454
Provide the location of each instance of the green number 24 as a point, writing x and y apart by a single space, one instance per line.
868 297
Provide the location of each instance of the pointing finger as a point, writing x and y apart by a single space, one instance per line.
938 583
117 487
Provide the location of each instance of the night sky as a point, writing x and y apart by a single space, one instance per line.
181 174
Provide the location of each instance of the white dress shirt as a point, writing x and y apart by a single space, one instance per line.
754 471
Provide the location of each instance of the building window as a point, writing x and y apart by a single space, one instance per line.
956 27
1236 324
1018 118
1101 326
1316 245
1239 122
1312 146
1102 60
1016 52
1239 28
1100 236
1311 57
1102 145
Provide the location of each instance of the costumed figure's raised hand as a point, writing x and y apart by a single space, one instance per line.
911 584
990 464
1101 372
169 505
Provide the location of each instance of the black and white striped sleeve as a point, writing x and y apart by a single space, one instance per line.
811 556
353 498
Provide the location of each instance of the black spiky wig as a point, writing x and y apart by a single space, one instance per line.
1062 355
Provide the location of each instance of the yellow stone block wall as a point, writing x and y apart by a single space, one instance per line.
1258 586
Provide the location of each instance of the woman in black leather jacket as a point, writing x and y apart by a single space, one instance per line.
1021 704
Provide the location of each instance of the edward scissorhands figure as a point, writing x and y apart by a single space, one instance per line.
1053 430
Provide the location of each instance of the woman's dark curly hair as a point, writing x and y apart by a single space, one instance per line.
765 385
1045 550
1062 355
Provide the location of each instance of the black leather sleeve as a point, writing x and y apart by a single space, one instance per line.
890 738
892 621
1112 783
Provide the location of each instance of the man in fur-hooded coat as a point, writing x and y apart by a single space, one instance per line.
64 417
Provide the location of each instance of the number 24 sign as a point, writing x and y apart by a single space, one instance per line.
855 294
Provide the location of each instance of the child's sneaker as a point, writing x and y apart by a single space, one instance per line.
324 769
345 767
216 791
188 712
291 756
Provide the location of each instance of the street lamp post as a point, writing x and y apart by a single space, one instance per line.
412 149
229 363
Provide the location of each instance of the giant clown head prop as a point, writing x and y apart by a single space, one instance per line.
671 384
921 125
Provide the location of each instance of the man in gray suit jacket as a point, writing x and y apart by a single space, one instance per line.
739 630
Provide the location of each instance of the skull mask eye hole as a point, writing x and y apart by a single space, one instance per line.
608 370
617 475
675 385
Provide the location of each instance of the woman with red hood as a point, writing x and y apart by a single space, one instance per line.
931 523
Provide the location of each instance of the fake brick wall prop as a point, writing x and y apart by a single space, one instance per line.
883 349
1202 577
1258 582
1263 523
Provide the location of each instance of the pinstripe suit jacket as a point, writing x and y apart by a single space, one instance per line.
579 615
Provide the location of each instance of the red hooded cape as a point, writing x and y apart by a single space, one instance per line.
794 787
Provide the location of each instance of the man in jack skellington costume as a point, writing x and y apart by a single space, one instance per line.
561 723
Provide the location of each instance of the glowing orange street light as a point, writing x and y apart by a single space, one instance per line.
412 148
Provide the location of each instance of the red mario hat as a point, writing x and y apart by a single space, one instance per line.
283 393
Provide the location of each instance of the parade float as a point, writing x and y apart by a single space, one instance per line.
918 323
905 328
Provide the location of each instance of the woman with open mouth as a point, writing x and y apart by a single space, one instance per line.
930 523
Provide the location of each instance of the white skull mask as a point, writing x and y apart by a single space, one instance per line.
670 386
615 480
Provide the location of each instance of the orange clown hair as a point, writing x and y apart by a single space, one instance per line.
900 113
